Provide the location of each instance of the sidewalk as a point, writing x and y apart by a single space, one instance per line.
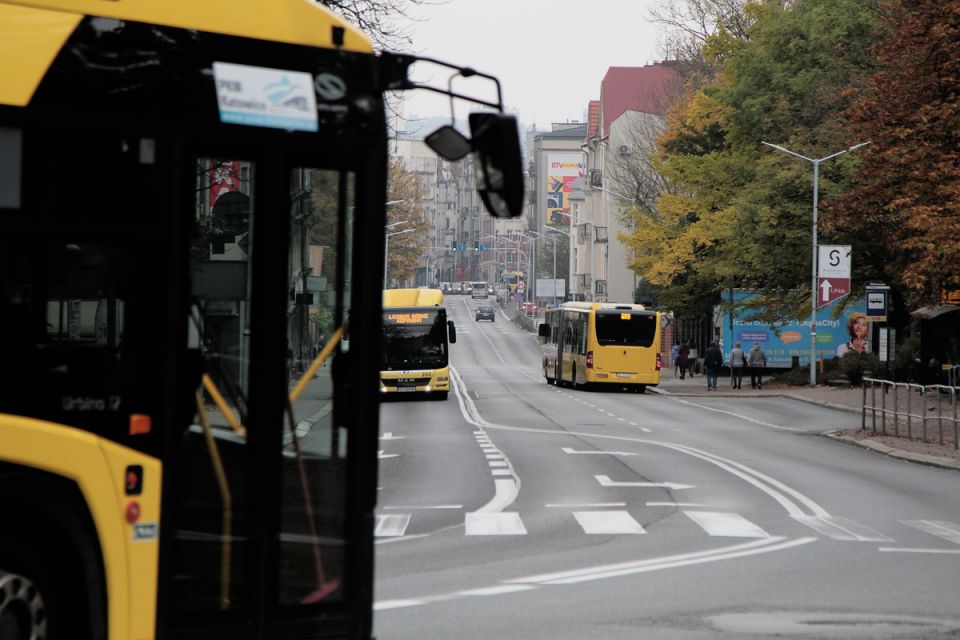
840 398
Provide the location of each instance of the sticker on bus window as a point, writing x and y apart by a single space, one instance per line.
624 316
262 97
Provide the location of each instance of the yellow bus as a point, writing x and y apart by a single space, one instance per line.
512 280
601 344
416 343
192 206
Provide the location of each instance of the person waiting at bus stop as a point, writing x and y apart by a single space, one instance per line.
683 359
738 360
712 361
756 360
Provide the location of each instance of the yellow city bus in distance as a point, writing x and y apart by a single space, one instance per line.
601 344
512 279
416 343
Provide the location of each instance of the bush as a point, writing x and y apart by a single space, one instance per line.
855 366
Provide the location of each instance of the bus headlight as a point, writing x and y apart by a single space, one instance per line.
427 388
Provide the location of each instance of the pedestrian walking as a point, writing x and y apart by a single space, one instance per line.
738 360
675 359
682 359
713 361
757 361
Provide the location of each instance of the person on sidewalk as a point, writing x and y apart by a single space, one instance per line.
757 361
675 359
738 360
682 359
712 361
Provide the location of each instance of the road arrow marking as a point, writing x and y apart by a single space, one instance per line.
389 436
605 453
605 481
382 456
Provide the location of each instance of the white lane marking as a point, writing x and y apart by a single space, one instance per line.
383 456
607 522
391 525
494 456
739 416
425 506
584 505
645 430
496 591
384 605
389 436
571 450
497 463
505 494
605 481
501 472
599 572
726 525
915 550
841 528
949 531
504 523
676 504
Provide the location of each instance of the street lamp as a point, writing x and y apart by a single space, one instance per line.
386 245
813 278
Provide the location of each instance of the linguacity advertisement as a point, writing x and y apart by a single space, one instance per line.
783 340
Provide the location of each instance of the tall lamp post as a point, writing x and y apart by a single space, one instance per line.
386 245
813 277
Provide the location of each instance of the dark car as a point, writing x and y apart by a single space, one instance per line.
486 312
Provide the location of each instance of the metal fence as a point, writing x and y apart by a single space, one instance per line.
919 412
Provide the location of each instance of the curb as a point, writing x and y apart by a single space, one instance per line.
789 396
909 456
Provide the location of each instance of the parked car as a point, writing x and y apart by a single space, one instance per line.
486 312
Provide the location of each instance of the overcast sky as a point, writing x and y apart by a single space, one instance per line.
549 55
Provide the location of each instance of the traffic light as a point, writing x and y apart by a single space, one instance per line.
476 245
453 246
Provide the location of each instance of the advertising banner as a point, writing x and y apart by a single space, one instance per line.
792 337
562 170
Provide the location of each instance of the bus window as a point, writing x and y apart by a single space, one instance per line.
625 328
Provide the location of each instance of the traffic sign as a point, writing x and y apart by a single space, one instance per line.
520 286
877 300
830 289
833 261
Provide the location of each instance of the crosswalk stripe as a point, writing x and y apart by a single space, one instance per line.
502 523
394 524
608 522
727 525
949 531
842 529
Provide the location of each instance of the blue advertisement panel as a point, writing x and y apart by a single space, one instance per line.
790 338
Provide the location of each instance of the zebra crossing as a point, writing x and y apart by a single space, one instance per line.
718 524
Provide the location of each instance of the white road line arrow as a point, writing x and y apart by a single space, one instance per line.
604 453
605 481
389 436
382 456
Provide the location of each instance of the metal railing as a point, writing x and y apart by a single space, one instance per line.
931 409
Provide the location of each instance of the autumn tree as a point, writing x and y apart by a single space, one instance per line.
405 195
904 207
740 215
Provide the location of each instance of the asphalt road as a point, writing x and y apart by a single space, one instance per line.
516 509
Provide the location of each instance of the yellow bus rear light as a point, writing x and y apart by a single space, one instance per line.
140 424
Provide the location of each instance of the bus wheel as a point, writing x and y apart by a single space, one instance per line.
23 614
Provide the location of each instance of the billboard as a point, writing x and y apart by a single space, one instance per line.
791 337
562 170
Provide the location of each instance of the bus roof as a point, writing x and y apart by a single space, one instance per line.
33 31
412 298
598 306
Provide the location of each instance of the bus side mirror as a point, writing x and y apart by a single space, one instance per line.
544 331
452 331
496 144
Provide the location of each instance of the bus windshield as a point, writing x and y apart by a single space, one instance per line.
635 329
414 339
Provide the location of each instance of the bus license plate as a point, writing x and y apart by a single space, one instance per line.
623 375
406 388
